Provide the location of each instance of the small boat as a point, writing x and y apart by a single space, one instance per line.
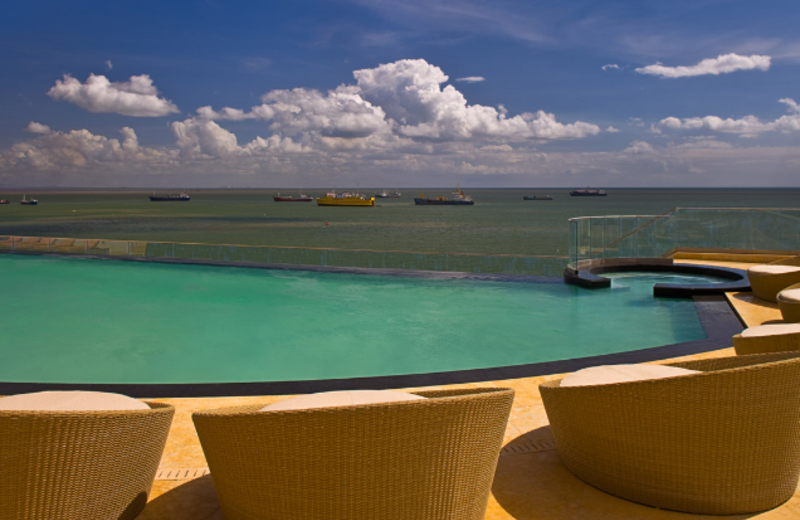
345 199
588 192
4 201
458 199
289 198
170 198
28 202
383 194
535 197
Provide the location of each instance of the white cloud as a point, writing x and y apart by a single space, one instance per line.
706 144
748 126
109 65
37 128
80 148
497 148
339 113
202 137
231 114
613 130
399 100
137 97
610 66
205 138
722 64
639 147
399 116
410 93
794 108
472 79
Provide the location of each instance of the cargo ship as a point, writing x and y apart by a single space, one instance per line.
289 198
458 199
169 198
588 192
345 199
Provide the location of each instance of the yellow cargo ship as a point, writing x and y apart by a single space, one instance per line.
345 199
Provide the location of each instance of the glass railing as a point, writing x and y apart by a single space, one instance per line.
296 256
732 230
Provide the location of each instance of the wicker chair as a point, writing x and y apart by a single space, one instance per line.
780 337
427 459
789 303
726 441
766 285
80 465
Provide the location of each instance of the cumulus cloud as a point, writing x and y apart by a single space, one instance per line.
37 128
340 113
80 148
396 101
205 138
610 66
231 114
748 126
136 97
612 130
722 64
639 147
410 93
197 136
400 116
791 104
472 79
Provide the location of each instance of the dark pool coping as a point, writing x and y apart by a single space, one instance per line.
719 322
589 276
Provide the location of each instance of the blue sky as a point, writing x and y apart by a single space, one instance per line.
387 93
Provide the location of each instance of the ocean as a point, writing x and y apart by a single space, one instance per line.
500 222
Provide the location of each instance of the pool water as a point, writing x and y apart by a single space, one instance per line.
95 321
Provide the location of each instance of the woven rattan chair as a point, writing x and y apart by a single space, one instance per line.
766 285
80 465
428 459
726 441
781 337
789 303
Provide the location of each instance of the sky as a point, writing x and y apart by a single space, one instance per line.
380 93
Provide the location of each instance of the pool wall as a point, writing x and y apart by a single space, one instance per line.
283 257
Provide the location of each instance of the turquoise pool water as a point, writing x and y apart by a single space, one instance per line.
95 321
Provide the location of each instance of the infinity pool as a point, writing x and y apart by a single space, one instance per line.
93 321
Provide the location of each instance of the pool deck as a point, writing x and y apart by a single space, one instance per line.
530 483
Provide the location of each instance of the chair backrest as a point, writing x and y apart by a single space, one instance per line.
425 459
724 441
80 465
